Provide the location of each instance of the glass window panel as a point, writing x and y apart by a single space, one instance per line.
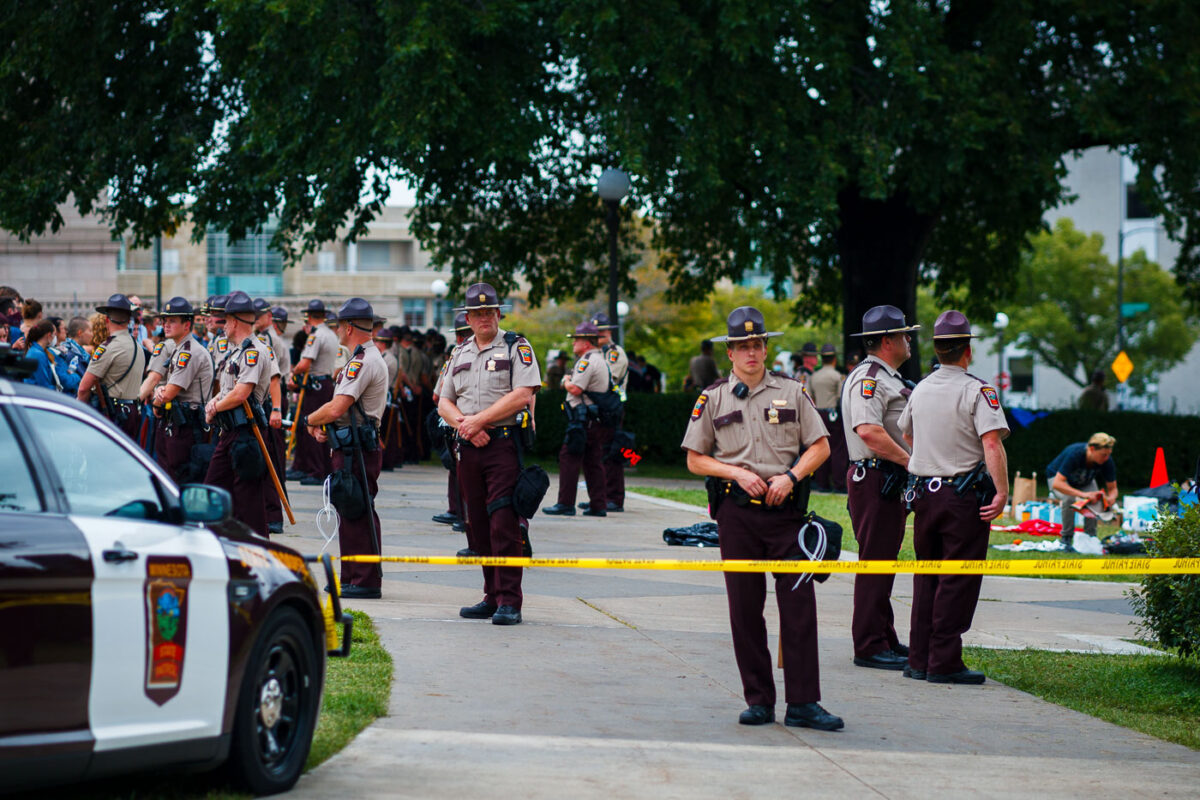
17 490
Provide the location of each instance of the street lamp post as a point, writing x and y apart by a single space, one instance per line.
1000 323
612 187
439 288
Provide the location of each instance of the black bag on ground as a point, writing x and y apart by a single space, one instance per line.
247 457
531 488
346 494
702 534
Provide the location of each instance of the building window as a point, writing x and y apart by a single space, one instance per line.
375 256
326 261
414 312
443 313
249 265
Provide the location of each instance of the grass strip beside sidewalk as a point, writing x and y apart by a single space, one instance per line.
1156 695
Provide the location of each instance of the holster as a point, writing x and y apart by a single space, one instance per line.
716 494
575 437
895 478
527 435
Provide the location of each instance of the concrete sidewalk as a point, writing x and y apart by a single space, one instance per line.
623 684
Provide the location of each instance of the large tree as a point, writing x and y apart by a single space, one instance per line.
854 148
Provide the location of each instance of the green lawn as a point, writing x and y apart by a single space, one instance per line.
1158 695
833 506
356 692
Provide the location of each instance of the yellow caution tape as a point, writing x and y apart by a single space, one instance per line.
1016 566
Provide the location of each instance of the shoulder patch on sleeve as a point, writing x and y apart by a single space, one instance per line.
582 365
698 409
525 353
99 351
613 355
312 337
868 388
158 348
222 345
989 394
182 359
352 369
251 358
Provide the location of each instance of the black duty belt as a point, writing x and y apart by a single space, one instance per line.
498 432
319 377
832 413
741 498
870 463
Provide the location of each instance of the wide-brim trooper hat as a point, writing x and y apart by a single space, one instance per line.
585 330
279 314
239 305
460 322
828 349
480 296
882 320
216 305
177 307
953 325
261 306
602 322
745 322
116 302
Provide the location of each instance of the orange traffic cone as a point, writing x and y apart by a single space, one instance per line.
1159 476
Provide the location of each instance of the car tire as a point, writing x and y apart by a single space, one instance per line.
276 709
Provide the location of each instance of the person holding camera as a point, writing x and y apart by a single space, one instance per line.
490 380
873 398
349 423
588 433
959 484
758 438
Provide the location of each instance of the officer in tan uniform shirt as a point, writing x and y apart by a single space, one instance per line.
115 371
873 398
273 436
359 399
587 435
179 400
618 366
825 388
314 371
410 400
160 359
956 427
757 436
454 515
238 464
490 378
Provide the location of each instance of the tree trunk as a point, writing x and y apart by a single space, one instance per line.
880 246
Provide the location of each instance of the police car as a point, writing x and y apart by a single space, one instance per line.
140 625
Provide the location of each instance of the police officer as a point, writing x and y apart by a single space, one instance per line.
352 418
390 425
115 371
283 351
587 435
218 342
273 436
179 400
490 378
825 386
808 361
872 400
618 367
238 464
410 393
453 515
757 437
956 426
160 358
314 371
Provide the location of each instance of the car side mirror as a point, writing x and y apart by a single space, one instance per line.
203 503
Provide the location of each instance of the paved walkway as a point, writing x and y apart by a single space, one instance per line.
623 684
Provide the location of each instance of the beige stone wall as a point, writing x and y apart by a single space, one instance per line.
69 269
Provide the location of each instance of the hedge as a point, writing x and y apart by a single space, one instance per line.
658 421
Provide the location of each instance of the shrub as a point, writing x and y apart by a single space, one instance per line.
1169 605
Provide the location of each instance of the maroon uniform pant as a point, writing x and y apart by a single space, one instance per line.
277 447
879 530
390 430
354 536
486 475
831 475
591 461
410 444
748 532
312 457
947 526
453 496
614 472
249 496
173 449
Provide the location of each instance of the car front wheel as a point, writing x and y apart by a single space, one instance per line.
277 706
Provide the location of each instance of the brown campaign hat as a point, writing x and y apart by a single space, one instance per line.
585 330
482 295
882 320
745 322
952 325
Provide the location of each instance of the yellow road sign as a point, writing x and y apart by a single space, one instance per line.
1122 366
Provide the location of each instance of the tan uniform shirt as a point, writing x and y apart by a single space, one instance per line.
119 356
191 370
873 396
322 348
220 348
392 364
160 356
283 353
249 363
472 385
946 415
590 374
426 363
441 381
406 355
365 379
825 386
764 433
618 366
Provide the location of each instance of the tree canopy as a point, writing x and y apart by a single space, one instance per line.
1064 308
854 148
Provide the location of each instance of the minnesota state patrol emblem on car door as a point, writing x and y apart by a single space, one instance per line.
167 580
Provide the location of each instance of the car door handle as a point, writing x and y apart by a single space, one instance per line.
116 556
